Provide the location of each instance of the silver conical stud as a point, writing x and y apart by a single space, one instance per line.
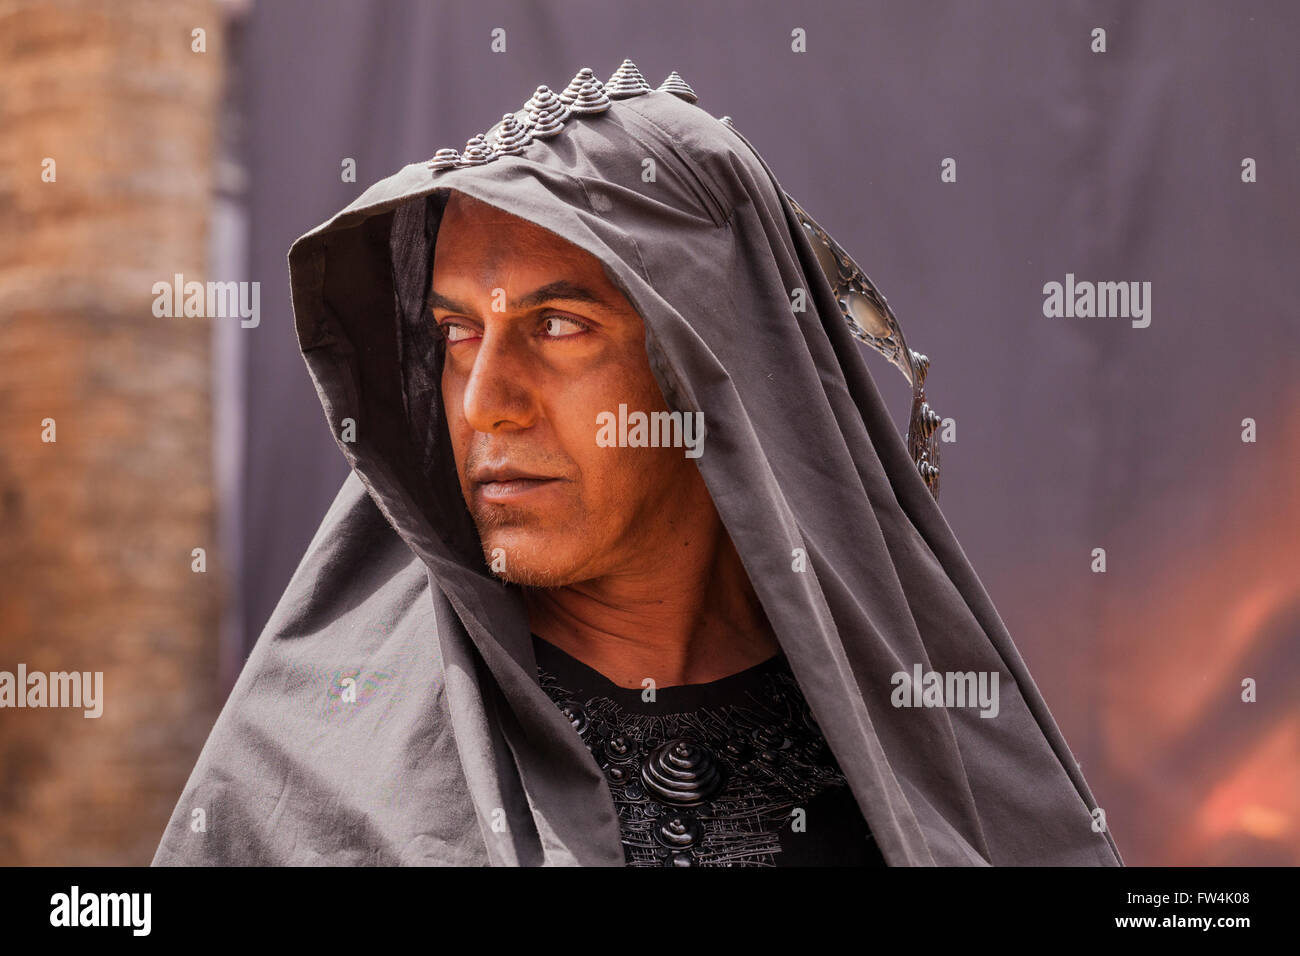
445 159
476 152
678 87
626 81
511 136
590 99
571 91
546 113
726 121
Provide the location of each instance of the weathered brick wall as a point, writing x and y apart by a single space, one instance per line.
97 528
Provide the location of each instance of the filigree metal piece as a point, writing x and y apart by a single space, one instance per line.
626 81
675 85
872 321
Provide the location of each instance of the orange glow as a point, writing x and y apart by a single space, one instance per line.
1258 800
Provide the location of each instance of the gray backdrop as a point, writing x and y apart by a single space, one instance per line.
1071 433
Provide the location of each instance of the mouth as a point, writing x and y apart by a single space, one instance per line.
508 485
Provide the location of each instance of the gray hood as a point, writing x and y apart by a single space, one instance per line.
451 752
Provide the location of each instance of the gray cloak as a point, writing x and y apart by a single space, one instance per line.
390 712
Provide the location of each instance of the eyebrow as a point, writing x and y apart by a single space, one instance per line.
560 290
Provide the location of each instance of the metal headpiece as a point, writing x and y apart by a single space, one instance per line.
626 81
865 309
872 321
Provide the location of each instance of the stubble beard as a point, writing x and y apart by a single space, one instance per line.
531 569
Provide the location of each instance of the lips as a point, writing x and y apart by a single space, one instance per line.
501 483
488 474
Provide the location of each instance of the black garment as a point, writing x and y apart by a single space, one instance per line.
714 774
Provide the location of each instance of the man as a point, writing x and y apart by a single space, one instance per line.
625 564
632 568
624 558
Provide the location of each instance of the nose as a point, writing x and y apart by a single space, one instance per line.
498 394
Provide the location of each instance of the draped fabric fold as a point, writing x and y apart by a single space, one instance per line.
451 752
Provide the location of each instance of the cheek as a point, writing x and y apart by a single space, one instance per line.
571 419
613 479
453 391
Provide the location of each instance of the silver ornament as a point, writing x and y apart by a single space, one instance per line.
626 81
510 136
476 152
675 85
576 84
590 99
546 112
444 159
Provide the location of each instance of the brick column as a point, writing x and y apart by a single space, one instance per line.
97 527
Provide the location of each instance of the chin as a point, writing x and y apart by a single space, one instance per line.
528 562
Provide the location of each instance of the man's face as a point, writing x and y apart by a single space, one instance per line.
539 343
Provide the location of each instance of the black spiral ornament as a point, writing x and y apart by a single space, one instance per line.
682 773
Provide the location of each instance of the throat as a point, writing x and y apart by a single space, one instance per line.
673 634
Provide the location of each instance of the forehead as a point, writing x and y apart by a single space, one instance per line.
481 249
478 241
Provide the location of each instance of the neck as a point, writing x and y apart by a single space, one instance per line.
685 619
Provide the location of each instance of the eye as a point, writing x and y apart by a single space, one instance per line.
456 333
559 327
